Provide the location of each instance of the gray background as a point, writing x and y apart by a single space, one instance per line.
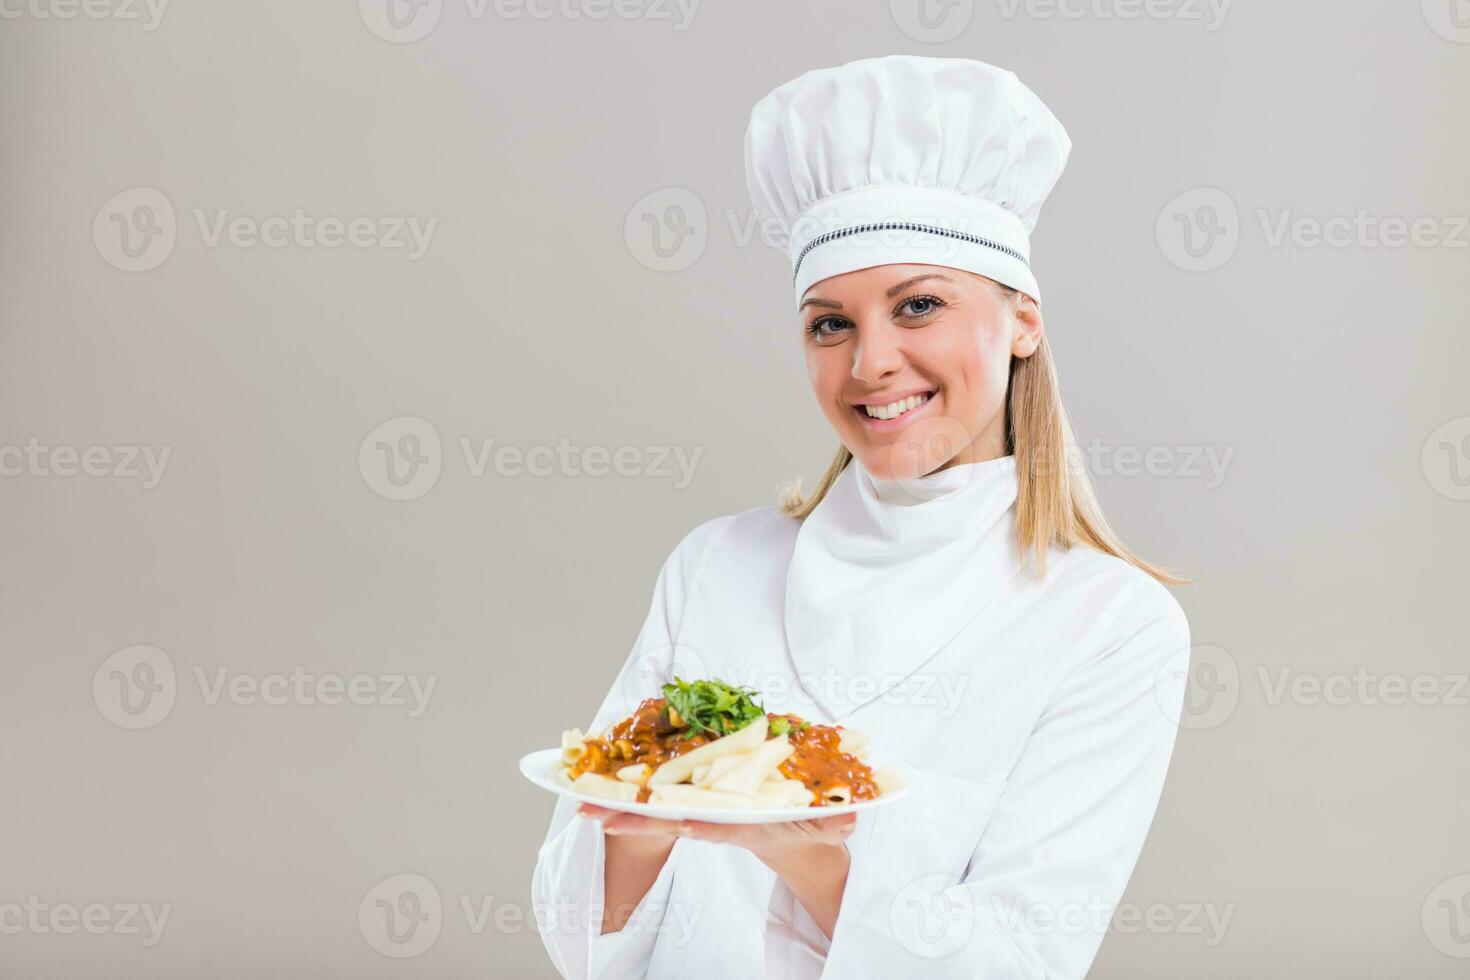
1334 542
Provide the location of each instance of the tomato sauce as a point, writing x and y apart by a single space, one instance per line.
645 736
820 763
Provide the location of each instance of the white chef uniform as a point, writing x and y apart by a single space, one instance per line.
1036 715
1038 733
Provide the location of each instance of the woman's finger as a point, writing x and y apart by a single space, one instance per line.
830 830
756 837
617 822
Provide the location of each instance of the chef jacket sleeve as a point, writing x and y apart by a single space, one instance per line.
567 884
1052 862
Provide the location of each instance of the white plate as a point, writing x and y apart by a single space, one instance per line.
540 768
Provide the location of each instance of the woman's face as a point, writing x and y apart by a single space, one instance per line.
910 363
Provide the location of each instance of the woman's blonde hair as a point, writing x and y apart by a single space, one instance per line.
1055 502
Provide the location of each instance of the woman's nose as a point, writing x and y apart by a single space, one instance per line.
876 354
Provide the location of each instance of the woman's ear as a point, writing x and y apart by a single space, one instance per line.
1029 325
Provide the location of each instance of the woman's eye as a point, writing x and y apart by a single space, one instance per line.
826 328
919 306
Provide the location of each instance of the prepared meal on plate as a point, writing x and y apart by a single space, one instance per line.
706 743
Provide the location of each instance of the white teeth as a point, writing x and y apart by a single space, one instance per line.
894 409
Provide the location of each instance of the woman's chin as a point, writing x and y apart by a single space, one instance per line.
921 447
894 462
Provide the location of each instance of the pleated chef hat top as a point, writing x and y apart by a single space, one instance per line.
943 161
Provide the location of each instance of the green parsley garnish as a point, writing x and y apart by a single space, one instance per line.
780 725
712 706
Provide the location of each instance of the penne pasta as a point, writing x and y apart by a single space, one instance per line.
682 794
706 775
837 795
889 780
635 774
596 784
852 740
755 766
783 793
680 767
572 747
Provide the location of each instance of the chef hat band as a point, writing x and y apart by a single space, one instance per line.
903 159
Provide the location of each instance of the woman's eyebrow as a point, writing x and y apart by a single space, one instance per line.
895 290
892 291
830 304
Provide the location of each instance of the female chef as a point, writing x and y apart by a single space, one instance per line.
949 588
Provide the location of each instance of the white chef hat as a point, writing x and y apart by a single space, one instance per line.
944 161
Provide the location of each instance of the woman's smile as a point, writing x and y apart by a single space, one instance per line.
889 413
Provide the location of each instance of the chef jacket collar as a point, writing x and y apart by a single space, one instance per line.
885 572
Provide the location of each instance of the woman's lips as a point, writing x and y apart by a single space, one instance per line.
899 421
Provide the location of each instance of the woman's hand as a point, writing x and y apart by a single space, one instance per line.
767 841
809 855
